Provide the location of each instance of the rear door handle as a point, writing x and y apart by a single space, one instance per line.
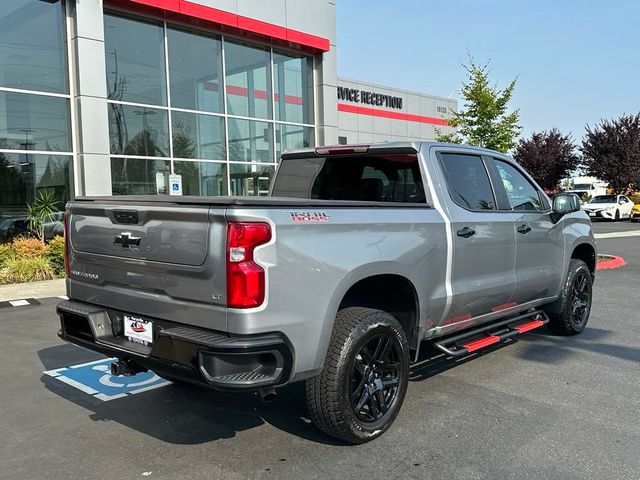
466 232
524 228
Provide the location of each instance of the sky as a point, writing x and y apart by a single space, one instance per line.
577 61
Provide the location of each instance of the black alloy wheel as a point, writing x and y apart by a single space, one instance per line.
359 392
570 313
375 378
580 298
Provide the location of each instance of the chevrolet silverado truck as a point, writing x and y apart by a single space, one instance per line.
358 256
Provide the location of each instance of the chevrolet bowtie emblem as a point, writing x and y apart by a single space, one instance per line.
126 240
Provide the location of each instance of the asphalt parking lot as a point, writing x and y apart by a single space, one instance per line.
539 407
607 226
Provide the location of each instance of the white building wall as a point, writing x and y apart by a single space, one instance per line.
422 113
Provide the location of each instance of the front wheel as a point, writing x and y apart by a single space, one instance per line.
616 216
360 390
576 300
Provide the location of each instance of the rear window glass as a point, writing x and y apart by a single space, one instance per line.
372 178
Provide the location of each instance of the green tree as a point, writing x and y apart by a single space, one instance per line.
484 120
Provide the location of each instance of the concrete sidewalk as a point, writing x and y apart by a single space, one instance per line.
19 291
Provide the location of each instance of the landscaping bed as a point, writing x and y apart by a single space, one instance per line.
31 260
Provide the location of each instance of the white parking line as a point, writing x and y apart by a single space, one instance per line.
630 233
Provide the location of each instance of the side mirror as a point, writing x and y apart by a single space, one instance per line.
564 203
621 202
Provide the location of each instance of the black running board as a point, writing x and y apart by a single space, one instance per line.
492 334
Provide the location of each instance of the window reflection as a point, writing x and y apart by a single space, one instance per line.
34 122
195 66
196 89
202 178
198 136
250 141
292 136
251 180
138 130
22 177
292 88
248 75
135 61
32 46
136 176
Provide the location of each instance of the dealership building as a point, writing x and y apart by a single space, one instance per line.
102 97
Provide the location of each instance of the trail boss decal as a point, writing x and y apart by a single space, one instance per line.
308 217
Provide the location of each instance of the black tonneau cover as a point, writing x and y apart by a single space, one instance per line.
254 202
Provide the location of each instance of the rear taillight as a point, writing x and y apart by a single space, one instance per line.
67 269
245 278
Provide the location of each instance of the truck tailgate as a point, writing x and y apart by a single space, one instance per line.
152 259
178 235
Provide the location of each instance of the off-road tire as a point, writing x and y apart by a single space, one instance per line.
329 394
566 322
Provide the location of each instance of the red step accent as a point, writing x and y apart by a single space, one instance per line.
529 326
481 343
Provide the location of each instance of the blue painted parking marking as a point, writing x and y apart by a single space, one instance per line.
95 379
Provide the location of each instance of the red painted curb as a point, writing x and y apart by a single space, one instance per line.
615 262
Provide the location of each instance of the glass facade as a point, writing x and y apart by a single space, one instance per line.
36 148
214 110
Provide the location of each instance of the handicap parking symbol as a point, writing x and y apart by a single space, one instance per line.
95 379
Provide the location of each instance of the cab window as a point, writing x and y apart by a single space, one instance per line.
468 181
521 193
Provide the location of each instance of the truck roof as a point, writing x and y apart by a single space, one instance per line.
379 148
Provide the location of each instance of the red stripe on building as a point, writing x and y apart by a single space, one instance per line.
375 112
226 22
291 99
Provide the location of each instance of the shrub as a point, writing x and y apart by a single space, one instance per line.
6 253
55 255
635 198
26 269
28 247
42 210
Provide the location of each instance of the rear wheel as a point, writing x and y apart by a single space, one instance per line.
364 380
576 301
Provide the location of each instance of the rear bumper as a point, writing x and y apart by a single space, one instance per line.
195 355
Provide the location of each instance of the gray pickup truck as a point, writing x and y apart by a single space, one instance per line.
358 256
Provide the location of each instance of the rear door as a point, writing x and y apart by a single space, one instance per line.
483 278
539 241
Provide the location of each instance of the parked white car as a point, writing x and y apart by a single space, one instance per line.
610 207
